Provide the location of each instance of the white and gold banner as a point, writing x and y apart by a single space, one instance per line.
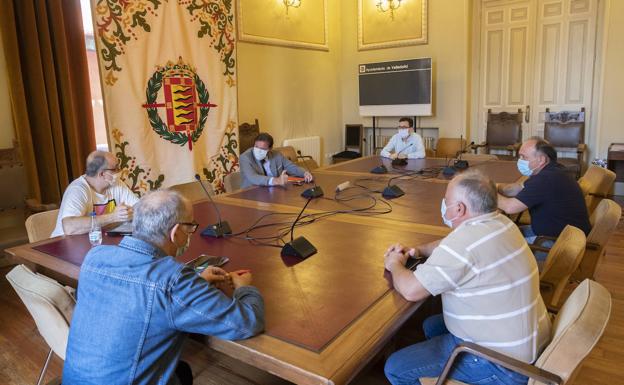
169 86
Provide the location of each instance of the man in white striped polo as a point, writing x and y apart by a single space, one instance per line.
489 283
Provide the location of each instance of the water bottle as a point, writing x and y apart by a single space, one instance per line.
95 234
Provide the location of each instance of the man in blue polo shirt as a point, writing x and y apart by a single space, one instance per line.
552 197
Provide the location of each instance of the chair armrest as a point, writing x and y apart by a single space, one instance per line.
592 246
581 148
539 248
500 359
542 238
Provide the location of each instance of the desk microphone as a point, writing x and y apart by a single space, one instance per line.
298 247
401 161
312 192
458 164
219 229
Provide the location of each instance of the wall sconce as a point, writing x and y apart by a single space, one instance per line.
291 3
388 5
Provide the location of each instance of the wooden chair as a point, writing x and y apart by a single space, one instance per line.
596 185
562 260
51 306
304 161
39 226
566 133
232 181
604 221
193 191
503 133
247 132
576 329
449 147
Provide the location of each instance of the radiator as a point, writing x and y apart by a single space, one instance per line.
310 145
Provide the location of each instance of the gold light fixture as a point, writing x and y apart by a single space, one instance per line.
388 5
291 3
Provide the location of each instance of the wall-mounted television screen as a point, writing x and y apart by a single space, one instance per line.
396 88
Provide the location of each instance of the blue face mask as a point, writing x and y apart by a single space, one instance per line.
448 222
524 168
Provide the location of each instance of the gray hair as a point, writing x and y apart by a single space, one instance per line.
156 213
478 191
96 162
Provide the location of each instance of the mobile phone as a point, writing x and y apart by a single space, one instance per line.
205 260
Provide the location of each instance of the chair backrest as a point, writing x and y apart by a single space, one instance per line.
50 305
604 221
232 181
577 328
39 226
247 132
504 129
449 147
562 260
596 184
564 130
288 152
193 191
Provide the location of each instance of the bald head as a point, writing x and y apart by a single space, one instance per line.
476 191
156 214
98 161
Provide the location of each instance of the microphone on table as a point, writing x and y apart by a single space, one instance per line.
401 161
312 192
219 229
458 164
298 247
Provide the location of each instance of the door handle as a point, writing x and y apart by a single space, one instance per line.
527 114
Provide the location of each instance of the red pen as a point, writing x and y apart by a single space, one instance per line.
241 272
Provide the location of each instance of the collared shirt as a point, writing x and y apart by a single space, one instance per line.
135 306
554 200
266 166
489 283
412 147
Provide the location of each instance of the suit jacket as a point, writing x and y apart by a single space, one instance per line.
252 172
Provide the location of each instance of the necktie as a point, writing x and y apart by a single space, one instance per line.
262 167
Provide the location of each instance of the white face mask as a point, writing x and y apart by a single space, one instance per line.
181 250
448 222
259 153
403 132
524 167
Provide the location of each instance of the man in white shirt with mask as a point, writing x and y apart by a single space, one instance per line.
405 143
262 167
99 191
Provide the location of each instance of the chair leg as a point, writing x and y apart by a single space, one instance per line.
45 367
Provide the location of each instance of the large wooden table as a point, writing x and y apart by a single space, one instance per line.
328 315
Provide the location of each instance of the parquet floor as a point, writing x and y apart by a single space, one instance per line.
22 350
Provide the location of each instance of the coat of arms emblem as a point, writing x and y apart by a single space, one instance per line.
186 103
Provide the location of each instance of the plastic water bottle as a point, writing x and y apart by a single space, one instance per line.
95 234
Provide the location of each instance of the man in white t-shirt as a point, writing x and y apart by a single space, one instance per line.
405 143
99 190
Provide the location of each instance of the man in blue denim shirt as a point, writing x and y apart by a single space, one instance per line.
136 302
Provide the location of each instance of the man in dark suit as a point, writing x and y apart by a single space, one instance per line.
262 167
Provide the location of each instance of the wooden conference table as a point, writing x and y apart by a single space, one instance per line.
328 315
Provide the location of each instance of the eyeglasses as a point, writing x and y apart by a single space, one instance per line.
192 225
402 127
113 170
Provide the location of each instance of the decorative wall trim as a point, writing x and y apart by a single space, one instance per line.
392 43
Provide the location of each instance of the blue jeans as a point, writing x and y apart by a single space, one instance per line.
427 359
530 236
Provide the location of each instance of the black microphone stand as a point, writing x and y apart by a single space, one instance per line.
219 229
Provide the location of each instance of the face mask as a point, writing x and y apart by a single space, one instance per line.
182 250
524 168
448 222
259 153
403 133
